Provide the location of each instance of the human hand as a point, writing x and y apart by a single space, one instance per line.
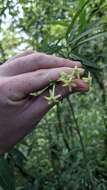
24 74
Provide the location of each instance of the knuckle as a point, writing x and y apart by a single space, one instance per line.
4 92
4 84
2 69
38 56
40 73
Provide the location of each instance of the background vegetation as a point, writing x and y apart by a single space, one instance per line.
68 149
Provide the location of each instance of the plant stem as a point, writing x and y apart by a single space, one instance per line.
81 142
61 128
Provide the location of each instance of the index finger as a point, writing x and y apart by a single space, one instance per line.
25 53
36 61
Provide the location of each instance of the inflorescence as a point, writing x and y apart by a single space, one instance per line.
66 80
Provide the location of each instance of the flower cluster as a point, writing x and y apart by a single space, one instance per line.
67 80
53 99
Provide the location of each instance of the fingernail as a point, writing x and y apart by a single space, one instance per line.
77 63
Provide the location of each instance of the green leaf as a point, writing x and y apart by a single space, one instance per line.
93 37
7 180
88 31
85 62
75 18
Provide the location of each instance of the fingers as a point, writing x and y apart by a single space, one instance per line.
39 105
80 86
27 52
34 81
36 61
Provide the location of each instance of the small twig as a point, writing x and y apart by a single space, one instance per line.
77 129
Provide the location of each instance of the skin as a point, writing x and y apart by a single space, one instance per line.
21 75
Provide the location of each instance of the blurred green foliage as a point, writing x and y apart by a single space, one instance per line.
68 149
